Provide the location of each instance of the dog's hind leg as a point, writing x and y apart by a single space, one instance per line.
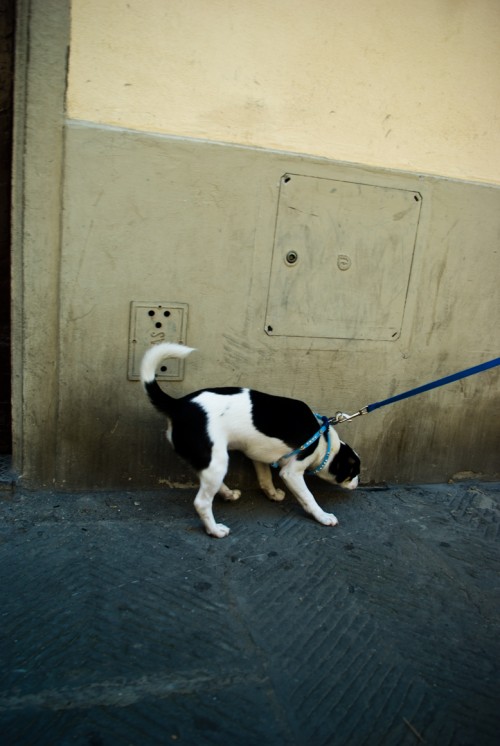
211 482
294 480
227 494
265 480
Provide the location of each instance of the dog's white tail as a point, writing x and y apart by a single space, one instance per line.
156 354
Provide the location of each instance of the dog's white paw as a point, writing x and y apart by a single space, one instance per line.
276 495
232 495
327 519
219 531
228 494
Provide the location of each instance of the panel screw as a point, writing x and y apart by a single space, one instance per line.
291 257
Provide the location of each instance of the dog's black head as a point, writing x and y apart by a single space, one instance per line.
344 467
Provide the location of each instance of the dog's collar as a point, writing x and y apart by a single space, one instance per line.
324 427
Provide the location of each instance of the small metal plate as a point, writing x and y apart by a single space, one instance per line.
152 322
342 259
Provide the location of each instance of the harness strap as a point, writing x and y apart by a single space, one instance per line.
312 439
327 454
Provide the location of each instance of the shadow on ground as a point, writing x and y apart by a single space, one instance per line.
123 623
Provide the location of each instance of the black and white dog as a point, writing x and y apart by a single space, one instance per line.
205 425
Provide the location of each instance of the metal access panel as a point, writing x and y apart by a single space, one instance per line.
152 322
342 259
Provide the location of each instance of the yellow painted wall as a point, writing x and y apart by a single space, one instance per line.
391 83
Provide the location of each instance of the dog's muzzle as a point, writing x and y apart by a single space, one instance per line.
350 485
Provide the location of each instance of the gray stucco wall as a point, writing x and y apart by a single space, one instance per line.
152 218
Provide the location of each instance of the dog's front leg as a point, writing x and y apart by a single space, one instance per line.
294 480
265 480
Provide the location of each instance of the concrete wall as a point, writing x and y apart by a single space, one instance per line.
154 210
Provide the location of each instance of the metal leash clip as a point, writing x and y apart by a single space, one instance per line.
344 417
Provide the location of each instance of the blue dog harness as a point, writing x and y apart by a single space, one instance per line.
324 427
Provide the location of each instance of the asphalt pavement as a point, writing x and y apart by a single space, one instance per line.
122 622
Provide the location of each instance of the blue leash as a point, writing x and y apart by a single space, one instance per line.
342 417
